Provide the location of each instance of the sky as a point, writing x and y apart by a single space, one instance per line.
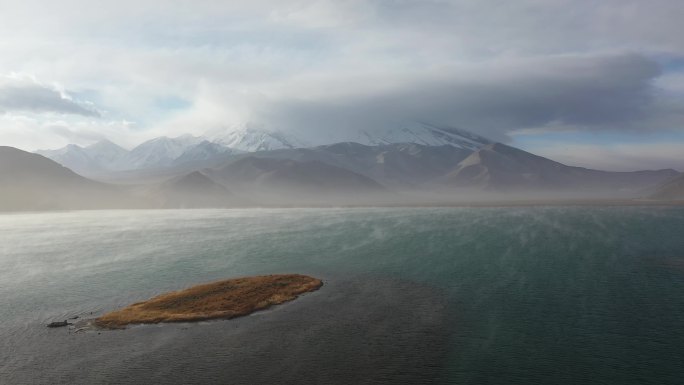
592 83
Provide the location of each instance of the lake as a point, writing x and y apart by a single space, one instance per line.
505 295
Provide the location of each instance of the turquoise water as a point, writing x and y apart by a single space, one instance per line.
456 295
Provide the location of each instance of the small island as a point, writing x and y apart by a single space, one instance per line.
217 300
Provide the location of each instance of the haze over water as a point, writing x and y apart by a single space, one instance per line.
440 295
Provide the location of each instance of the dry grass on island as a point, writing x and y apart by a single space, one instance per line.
217 300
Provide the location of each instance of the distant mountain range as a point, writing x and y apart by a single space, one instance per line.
250 139
194 190
423 134
503 168
289 181
105 156
427 165
401 166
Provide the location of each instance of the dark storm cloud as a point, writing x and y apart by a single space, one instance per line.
25 96
586 92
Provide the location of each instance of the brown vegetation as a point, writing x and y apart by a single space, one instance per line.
224 299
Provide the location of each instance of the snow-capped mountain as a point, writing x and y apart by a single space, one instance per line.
106 156
106 152
425 134
103 155
160 151
204 150
252 139
69 154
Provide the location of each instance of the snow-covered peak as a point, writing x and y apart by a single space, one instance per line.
173 146
104 144
203 151
252 139
69 154
160 151
101 155
165 151
425 134
106 151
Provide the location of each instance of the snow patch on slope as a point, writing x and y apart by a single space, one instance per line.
425 134
252 139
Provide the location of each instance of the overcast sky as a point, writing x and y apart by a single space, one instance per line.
592 83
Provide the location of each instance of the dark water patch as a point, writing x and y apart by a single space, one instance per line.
366 330
673 263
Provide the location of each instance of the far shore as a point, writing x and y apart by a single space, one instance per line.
417 204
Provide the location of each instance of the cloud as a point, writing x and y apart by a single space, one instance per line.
585 92
32 132
328 68
25 94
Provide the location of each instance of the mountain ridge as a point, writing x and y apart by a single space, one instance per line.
337 174
501 167
105 156
672 189
30 181
293 181
195 190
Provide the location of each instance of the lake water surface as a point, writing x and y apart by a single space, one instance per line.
550 295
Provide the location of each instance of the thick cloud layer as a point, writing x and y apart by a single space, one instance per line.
588 92
328 68
18 94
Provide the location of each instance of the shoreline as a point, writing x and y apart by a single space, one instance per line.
445 204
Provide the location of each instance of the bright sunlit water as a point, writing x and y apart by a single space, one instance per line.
440 295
